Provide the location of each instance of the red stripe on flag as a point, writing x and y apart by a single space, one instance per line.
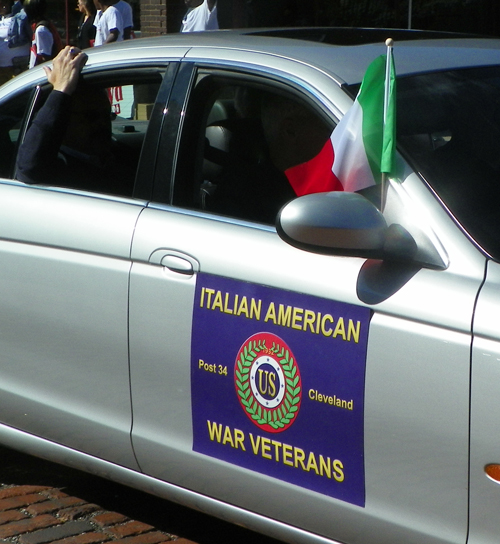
315 175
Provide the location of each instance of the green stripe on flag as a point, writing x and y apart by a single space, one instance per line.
389 140
379 147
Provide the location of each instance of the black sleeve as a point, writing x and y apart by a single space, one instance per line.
37 156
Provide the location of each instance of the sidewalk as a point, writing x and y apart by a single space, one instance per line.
31 514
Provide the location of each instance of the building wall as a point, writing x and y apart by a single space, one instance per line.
153 17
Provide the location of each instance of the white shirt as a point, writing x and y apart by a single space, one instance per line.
105 22
42 44
200 18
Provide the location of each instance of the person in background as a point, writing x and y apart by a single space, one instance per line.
201 15
13 56
17 6
108 23
85 36
46 42
125 10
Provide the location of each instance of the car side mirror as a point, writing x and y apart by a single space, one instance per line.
340 223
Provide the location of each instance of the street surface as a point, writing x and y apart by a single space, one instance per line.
23 470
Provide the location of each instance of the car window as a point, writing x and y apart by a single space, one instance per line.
449 128
240 138
12 113
101 147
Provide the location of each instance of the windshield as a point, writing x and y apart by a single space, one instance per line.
449 129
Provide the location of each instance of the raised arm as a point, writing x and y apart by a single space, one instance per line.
37 157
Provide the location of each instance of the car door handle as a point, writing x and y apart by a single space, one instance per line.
178 264
175 261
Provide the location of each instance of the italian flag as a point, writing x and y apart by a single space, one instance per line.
362 146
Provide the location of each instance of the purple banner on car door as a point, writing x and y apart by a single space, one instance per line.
277 383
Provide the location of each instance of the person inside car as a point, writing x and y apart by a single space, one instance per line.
69 142
253 183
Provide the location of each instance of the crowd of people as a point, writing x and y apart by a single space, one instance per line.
28 36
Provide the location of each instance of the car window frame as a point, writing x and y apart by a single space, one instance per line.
145 181
169 137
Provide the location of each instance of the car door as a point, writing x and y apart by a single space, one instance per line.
65 264
329 394
484 470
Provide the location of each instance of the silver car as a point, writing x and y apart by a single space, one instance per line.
313 368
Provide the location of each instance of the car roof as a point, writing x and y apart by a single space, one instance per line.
344 53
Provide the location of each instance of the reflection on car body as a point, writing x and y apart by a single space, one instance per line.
333 378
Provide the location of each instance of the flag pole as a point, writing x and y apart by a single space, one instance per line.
389 43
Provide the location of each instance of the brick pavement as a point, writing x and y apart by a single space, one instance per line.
33 514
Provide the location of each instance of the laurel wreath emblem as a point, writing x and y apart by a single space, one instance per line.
283 415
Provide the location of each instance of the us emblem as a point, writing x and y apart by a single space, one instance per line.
268 383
